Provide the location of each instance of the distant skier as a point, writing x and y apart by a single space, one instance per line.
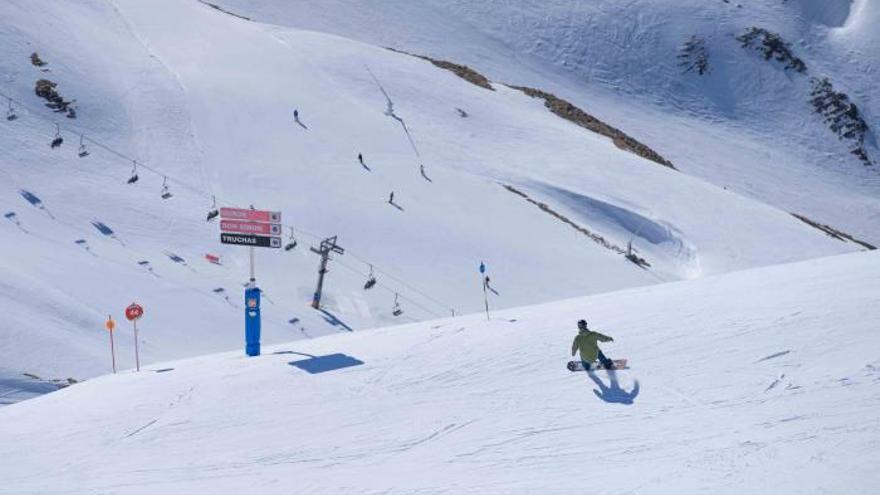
489 287
391 198
424 174
587 341
361 158
296 119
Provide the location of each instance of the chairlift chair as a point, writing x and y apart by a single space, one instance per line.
57 140
10 113
83 152
165 192
396 311
213 212
371 280
134 173
291 243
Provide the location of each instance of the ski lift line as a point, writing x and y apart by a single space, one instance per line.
392 291
107 148
397 291
141 165
378 271
386 274
199 192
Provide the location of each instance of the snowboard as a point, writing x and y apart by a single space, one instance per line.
619 364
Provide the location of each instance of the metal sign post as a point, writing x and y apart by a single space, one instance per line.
110 325
133 313
252 228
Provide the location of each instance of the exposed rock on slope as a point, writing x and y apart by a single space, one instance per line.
568 111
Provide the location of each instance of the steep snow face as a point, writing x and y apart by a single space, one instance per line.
833 13
760 378
746 124
207 99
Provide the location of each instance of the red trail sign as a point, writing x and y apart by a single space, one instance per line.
252 215
242 227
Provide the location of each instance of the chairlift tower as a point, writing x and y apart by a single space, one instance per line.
328 246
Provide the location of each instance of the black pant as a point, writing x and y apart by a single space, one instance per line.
603 361
607 363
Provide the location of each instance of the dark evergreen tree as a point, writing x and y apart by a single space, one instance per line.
694 56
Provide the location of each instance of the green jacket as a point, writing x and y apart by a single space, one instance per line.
588 343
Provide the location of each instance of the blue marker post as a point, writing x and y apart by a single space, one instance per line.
240 226
252 321
252 314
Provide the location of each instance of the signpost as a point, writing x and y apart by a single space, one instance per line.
252 228
110 325
257 228
250 240
250 215
133 313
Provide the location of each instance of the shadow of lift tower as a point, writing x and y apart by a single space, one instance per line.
328 246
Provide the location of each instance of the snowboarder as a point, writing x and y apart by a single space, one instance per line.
587 341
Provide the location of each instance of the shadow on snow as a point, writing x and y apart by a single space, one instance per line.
322 364
612 393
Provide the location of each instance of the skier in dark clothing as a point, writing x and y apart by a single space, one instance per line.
587 341
361 158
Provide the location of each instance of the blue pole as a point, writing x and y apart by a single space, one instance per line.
252 321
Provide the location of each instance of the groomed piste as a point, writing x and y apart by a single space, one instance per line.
767 377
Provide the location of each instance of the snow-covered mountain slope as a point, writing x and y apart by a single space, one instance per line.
761 378
747 124
206 99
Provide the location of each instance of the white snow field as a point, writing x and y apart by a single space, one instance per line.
746 125
206 99
760 381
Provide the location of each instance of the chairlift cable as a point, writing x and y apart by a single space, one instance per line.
199 192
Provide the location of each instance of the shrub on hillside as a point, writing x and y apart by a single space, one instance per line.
694 56
771 45
842 116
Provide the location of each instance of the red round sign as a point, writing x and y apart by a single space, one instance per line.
134 311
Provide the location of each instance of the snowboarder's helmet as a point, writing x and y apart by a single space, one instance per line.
582 324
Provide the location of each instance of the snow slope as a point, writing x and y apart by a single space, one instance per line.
761 378
206 99
747 125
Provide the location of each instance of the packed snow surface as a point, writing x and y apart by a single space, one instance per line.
762 378
206 99
746 125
